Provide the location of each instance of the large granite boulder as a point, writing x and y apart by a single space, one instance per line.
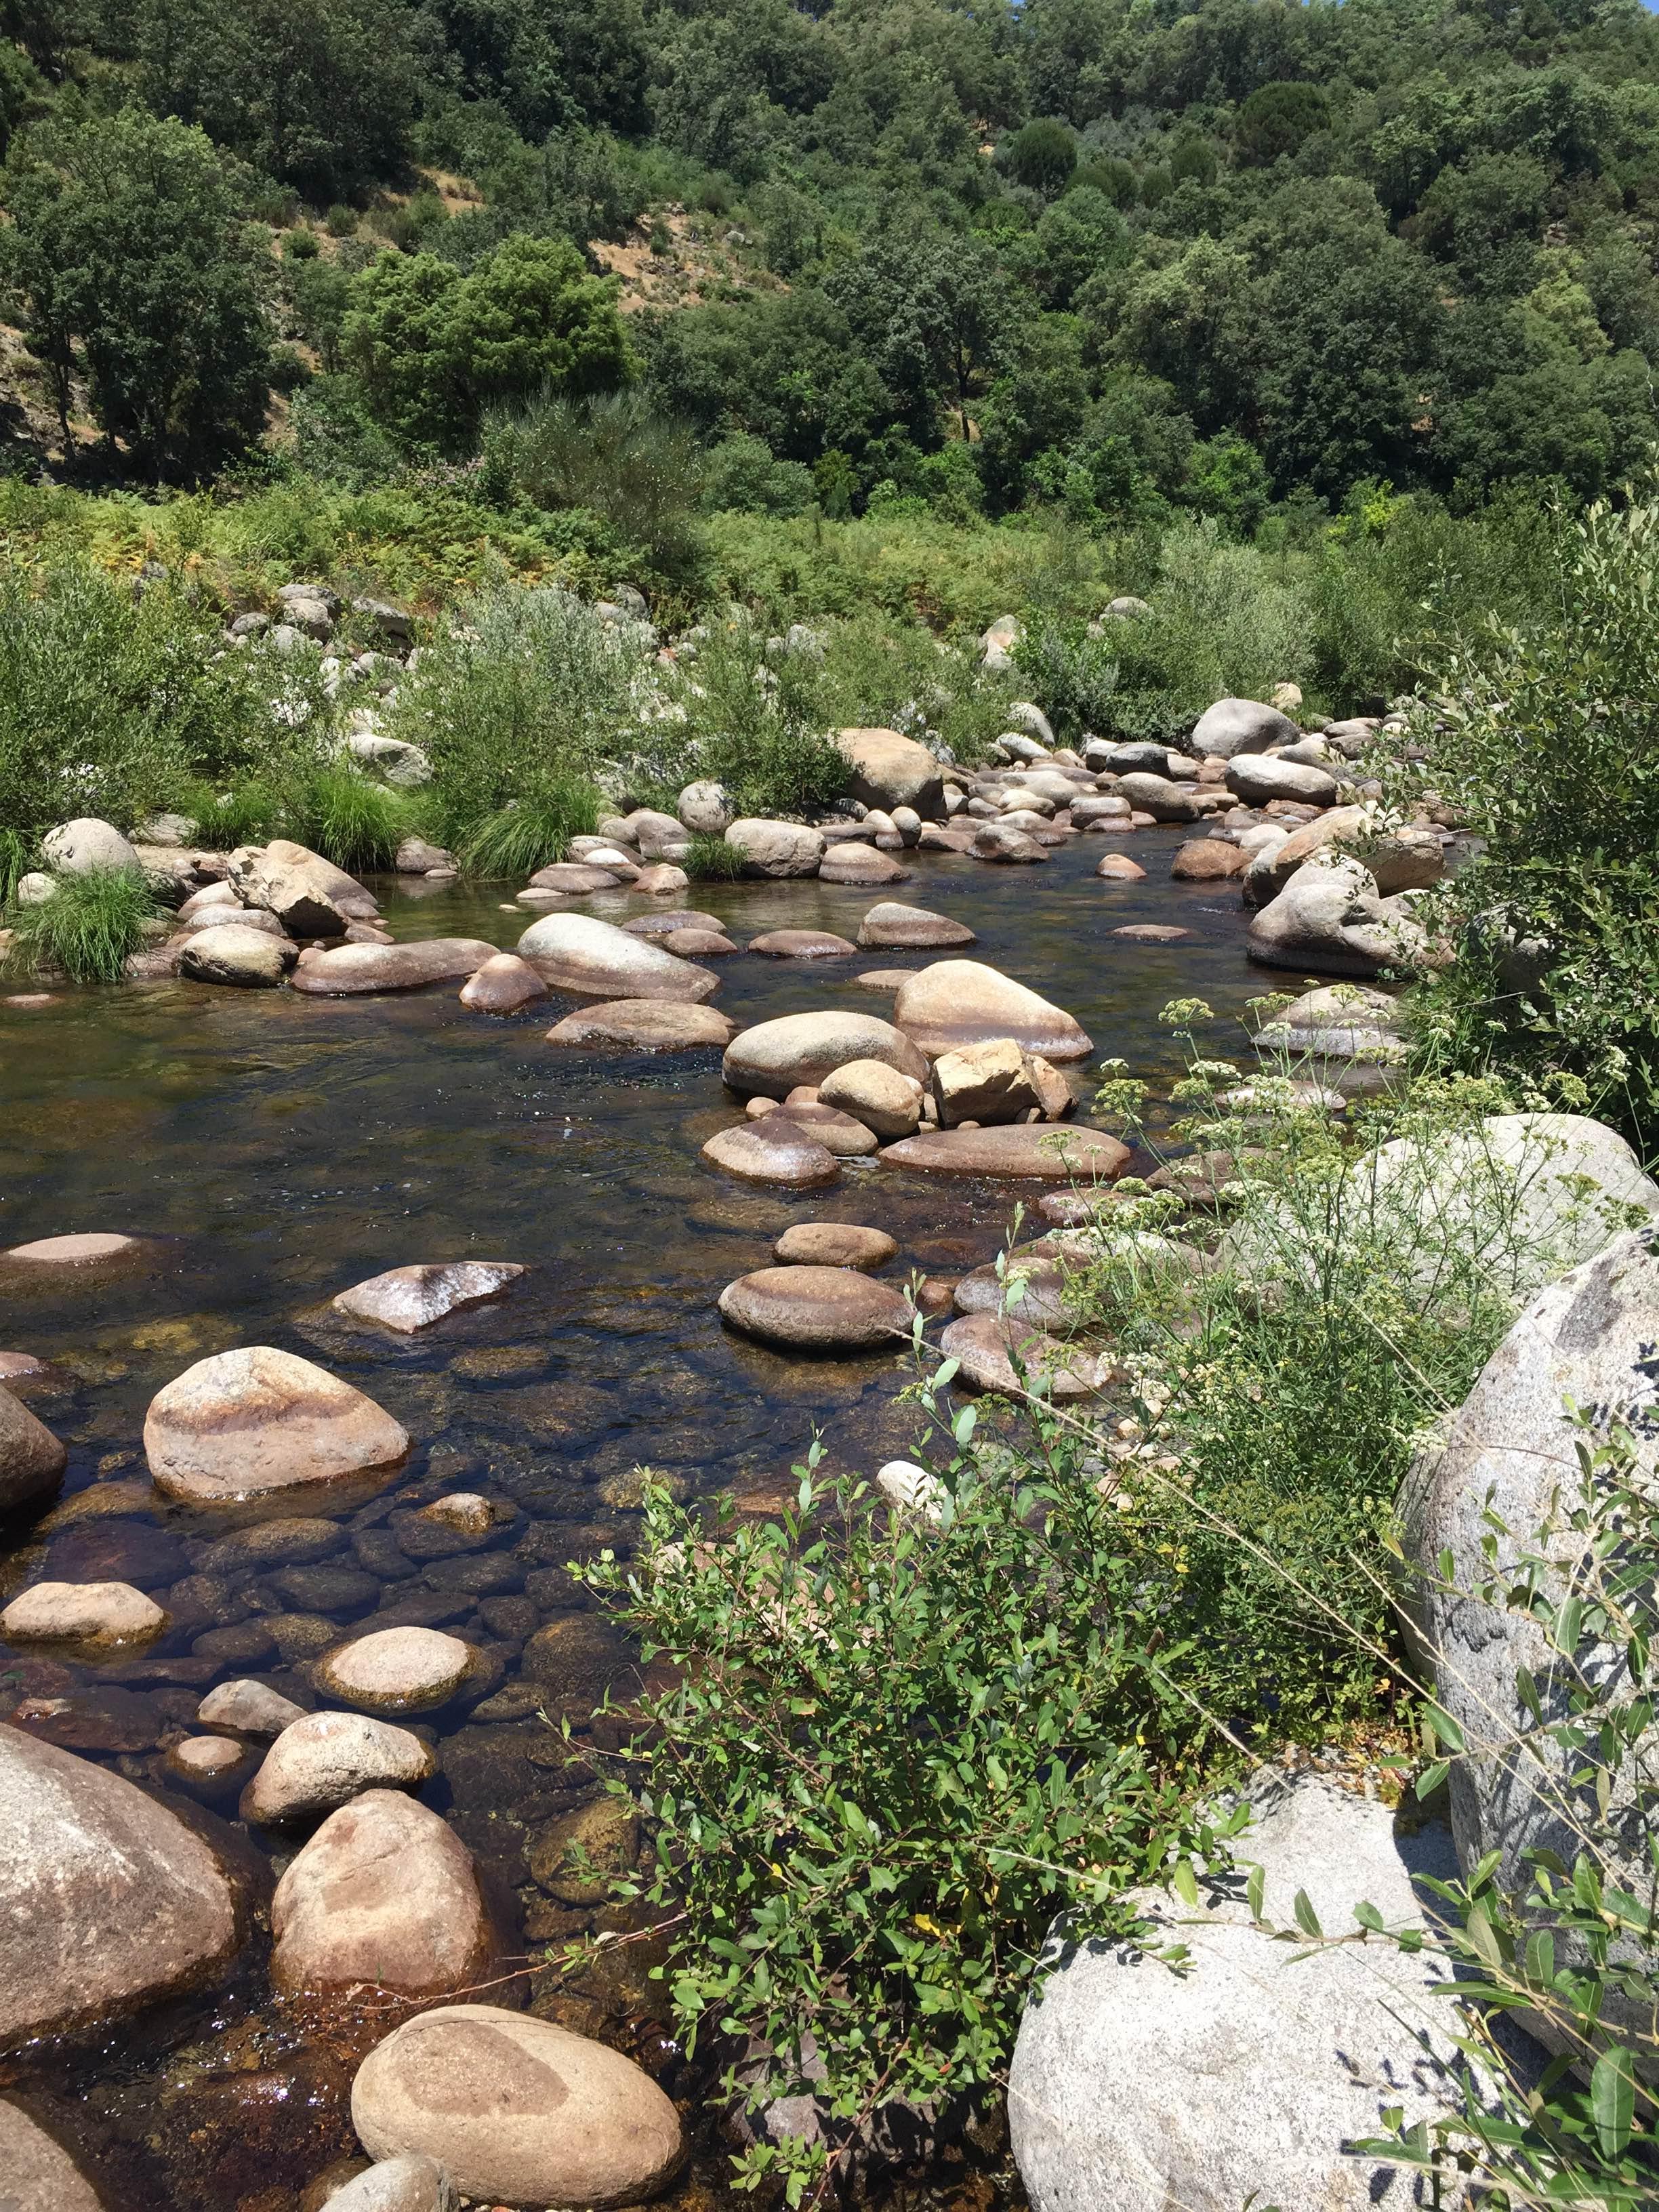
308 895
773 1058
250 1423
1257 779
85 845
344 971
952 1003
232 952
1245 2077
31 1458
780 849
1240 726
1330 918
592 959
108 1901
889 770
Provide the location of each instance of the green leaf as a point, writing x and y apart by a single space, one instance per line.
1184 1884
1613 2100
1255 1889
1445 1728
1431 1777
1306 1918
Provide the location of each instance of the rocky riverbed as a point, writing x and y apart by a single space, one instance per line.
251 1157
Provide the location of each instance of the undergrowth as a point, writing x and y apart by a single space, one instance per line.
87 927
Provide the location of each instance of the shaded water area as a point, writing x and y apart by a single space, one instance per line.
277 1149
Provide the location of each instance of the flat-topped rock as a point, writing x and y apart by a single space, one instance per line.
88 1249
784 1153
770 1059
209 1765
664 924
247 1708
1041 1150
802 944
833 1244
517 2110
952 1003
780 849
849 861
32 1459
408 1299
1152 933
397 1669
501 985
1260 777
109 1901
104 1613
996 1352
386 1894
642 1025
589 958
327 1760
574 879
816 1309
891 922
349 970
249 1423
293 1540
843 1134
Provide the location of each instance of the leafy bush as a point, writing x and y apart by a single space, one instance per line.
87 928
641 474
1540 736
759 723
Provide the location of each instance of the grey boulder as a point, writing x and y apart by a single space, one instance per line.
76 847
30 1457
1260 777
1330 917
411 2182
1241 725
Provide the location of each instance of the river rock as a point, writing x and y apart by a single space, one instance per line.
239 917
574 879
414 857
327 1760
250 1423
32 1459
987 1345
87 1248
104 1613
409 2182
1329 916
576 1858
776 849
1241 725
1039 1151
396 1670
802 944
1118 867
833 1244
954 1003
989 1081
347 970
1254 2068
891 923
1155 795
1007 843
1203 860
1031 1288
852 861
231 952
517 2110
817 1309
210 1764
770 1059
885 1100
40 2174
706 809
642 1025
786 1154
501 985
888 770
840 1133
411 1298
308 895
78 847
1257 779
247 1708
1343 1021
385 1893
663 879
697 944
661 926
593 959
109 1901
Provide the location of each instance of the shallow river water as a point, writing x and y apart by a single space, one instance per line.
276 1149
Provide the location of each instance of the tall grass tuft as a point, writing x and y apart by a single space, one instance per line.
349 818
87 928
710 860
531 833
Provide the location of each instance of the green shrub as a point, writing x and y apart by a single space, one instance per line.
241 814
709 859
87 928
613 457
759 722
349 818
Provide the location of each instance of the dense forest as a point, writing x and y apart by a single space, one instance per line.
1116 258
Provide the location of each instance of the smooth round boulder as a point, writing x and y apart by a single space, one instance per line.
573 879
327 1760
577 1857
786 1155
662 880
770 1059
802 944
1119 868
411 2182
247 1708
887 1103
642 1025
1330 917
816 1309
386 1894
32 1459
1007 844
1258 779
840 1133
1240 726
86 845
109 1901
833 1244
396 1670
352 970
849 861
697 944
517 2110
408 1299
98 1614
208 1764
89 1248
779 849
887 769
1043 1151
251 1422
889 922
40 2174
705 808
588 958
952 1003
1207 860
502 986
995 1352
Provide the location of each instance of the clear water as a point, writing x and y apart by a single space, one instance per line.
278 1149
